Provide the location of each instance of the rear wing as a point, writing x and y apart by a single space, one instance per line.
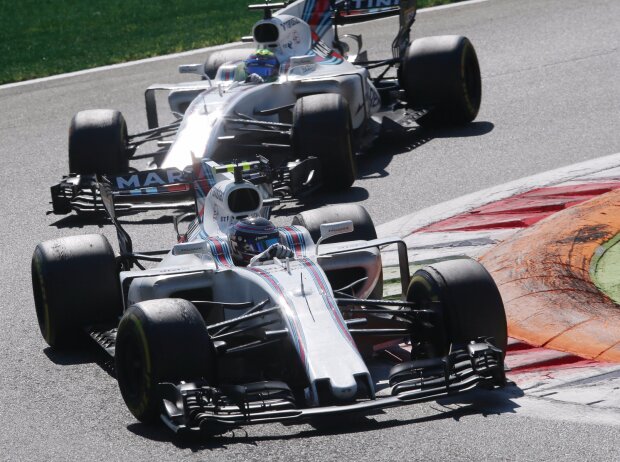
355 11
352 11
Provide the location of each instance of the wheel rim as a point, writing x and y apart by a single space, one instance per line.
424 295
131 371
422 292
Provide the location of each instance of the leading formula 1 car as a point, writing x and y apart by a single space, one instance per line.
303 97
206 344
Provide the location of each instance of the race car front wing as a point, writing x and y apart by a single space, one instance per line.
199 408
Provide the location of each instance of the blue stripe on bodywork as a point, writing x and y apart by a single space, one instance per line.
221 254
297 245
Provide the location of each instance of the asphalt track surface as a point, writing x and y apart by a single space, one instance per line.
551 98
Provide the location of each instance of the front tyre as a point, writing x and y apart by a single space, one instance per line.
162 340
98 142
442 73
322 128
466 305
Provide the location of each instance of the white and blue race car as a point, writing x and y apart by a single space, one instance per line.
206 343
302 97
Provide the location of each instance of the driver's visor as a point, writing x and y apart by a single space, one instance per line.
261 67
264 244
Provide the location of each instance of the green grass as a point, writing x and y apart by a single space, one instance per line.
45 37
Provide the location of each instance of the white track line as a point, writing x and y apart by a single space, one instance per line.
450 5
117 66
181 54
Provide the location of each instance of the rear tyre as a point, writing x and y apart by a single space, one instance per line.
466 300
75 284
322 128
363 229
443 73
98 142
217 58
163 340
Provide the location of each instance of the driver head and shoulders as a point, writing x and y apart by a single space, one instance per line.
262 66
253 236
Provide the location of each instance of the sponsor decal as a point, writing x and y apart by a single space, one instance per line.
339 229
292 39
189 248
302 69
158 177
218 194
301 65
369 4
290 23
323 53
372 96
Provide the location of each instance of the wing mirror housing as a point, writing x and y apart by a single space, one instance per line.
191 69
333 229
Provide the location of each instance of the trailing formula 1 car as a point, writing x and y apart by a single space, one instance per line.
294 331
303 98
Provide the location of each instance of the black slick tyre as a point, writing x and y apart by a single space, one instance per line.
162 340
75 285
322 128
217 58
98 142
442 73
466 300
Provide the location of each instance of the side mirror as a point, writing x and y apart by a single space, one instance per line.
191 69
300 65
198 69
333 229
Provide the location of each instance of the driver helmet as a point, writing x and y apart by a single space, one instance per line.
250 236
263 63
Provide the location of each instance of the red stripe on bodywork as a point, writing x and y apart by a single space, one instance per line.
220 252
297 239
319 11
